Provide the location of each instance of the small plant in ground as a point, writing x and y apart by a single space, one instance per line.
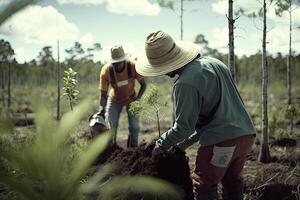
70 85
292 112
150 105
282 119
44 169
280 134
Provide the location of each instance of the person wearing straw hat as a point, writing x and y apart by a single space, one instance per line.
208 109
120 74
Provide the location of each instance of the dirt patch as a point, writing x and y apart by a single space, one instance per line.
252 156
172 166
263 180
285 161
23 118
275 192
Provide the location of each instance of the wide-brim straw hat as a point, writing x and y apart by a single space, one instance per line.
117 54
164 55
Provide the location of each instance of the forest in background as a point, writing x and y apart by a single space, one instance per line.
43 69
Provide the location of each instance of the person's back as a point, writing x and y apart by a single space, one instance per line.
218 96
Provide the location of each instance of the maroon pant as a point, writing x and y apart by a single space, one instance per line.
208 172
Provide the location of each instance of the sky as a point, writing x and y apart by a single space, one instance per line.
128 22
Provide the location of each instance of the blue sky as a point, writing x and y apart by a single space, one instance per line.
128 22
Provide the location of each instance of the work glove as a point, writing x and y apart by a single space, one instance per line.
102 112
177 150
157 151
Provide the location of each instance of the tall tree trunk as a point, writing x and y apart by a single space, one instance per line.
231 61
264 154
181 19
58 84
289 81
289 66
2 83
9 85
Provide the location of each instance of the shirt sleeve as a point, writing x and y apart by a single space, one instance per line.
104 79
187 108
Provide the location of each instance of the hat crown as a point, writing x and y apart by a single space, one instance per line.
117 52
160 48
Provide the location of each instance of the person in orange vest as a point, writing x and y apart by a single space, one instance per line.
120 74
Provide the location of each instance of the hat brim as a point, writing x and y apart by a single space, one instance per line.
189 52
123 58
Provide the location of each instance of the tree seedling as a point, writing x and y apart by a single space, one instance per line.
70 85
149 104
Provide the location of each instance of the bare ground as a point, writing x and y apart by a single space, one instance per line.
277 180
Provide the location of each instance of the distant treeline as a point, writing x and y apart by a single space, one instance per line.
43 70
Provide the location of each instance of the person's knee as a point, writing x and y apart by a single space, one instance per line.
234 180
113 122
134 130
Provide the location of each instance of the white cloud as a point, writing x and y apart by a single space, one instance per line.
131 49
221 6
19 54
81 2
278 40
40 25
220 39
247 45
133 7
128 7
277 35
2 2
285 18
87 40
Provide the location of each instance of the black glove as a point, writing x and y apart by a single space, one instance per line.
177 150
102 113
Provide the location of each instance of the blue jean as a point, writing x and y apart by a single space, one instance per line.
113 110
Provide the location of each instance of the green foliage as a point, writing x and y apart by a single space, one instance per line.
46 57
280 117
206 50
292 111
137 185
280 133
42 169
151 99
6 125
276 118
6 51
282 6
150 105
70 85
167 3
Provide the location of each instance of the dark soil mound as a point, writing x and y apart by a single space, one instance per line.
23 121
252 156
276 192
172 166
284 142
108 153
25 110
285 161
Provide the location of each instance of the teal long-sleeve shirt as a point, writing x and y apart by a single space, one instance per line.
203 84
